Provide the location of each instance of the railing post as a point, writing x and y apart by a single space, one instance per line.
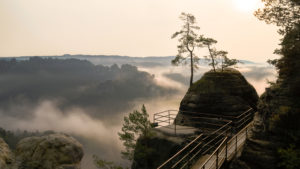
217 160
226 146
175 126
226 151
245 120
169 116
153 118
236 141
246 132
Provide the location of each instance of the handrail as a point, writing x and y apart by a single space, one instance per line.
216 115
205 114
180 151
165 111
231 124
206 161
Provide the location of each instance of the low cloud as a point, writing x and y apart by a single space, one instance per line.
97 137
259 73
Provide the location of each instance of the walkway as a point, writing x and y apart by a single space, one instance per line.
213 146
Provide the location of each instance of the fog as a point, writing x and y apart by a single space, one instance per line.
91 105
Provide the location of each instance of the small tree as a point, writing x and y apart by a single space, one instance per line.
213 53
225 61
136 124
215 56
106 164
187 43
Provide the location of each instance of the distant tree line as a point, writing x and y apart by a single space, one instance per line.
103 90
13 137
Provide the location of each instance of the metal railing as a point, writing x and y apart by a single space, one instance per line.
226 150
220 144
167 118
200 145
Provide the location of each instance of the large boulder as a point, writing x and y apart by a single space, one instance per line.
54 151
223 93
6 156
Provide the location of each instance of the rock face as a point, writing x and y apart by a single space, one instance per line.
54 151
6 156
152 152
224 93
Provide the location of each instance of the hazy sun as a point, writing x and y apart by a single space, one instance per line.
247 5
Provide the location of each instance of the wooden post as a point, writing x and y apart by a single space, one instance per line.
246 132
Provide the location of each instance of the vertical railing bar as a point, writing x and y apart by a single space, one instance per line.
175 126
217 159
236 144
169 116
226 150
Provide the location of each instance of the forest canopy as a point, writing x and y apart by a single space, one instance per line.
100 89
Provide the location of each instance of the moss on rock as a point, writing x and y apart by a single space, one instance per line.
223 93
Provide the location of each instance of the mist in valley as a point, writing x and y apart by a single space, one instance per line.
88 100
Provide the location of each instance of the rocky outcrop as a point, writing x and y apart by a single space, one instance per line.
153 151
54 151
257 154
223 93
6 156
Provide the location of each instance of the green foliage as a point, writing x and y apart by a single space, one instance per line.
106 164
215 55
280 103
189 40
187 43
290 157
226 62
136 125
283 13
12 138
272 62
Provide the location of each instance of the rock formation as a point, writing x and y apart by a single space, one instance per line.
54 151
152 152
6 156
223 93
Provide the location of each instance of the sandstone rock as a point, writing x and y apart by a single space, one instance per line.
152 152
55 151
223 93
6 156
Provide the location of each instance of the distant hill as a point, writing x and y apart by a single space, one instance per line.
73 82
108 60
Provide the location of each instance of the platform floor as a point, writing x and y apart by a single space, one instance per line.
177 130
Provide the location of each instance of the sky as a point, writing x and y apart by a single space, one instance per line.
130 27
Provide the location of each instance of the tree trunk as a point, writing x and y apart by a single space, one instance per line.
212 58
192 68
